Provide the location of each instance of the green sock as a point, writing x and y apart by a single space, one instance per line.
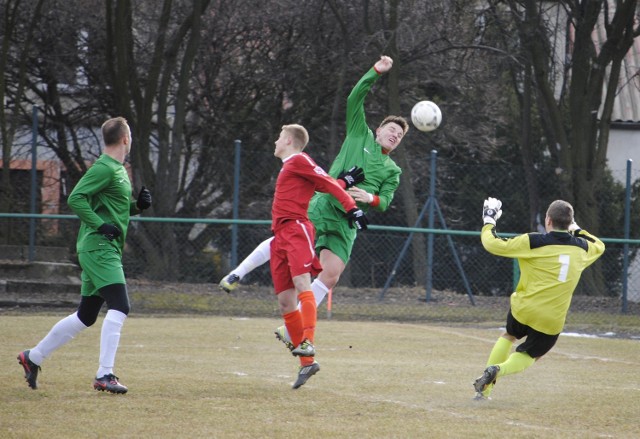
500 351
517 362
499 354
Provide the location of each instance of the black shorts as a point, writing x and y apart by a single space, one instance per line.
537 343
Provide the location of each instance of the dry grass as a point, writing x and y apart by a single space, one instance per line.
222 377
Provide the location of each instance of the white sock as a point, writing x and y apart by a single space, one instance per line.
320 290
109 340
260 255
61 333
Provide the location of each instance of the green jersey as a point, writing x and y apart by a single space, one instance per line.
382 175
103 195
550 268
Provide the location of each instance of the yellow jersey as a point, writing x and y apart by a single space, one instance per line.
550 267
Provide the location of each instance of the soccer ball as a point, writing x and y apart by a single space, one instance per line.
426 116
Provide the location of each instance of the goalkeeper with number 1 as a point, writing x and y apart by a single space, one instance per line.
550 267
363 150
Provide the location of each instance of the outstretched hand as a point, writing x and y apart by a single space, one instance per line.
384 64
491 210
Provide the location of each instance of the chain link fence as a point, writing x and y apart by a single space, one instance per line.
421 273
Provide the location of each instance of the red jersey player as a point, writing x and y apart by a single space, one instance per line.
293 258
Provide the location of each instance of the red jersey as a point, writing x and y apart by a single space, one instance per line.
299 178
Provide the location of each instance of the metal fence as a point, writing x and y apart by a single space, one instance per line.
436 271
466 285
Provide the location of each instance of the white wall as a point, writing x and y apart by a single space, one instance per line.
624 144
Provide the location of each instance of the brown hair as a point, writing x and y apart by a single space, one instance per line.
561 214
114 129
299 134
396 119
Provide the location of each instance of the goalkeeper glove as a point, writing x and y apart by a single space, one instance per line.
575 229
109 231
357 219
491 210
352 177
144 199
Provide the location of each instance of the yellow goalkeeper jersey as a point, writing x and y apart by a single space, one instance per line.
550 268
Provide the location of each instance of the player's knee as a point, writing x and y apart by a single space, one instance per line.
116 297
329 277
87 318
123 307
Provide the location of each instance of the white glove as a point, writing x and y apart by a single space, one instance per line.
491 210
573 227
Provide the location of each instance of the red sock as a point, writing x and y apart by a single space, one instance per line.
293 322
309 311
306 361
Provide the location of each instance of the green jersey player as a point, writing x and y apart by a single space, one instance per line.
102 201
363 152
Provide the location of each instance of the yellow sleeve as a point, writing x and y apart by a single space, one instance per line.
515 247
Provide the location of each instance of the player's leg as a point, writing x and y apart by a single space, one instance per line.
62 332
104 267
289 311
332 268
501 363
499 353
259 256
117 301
333 264
309 313
334 243
535 346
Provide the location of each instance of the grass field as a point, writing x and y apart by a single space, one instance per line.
219 377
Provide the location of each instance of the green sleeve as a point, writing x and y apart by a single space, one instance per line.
356 119
388 189
96 179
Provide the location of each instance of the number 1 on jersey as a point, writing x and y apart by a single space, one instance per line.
564 267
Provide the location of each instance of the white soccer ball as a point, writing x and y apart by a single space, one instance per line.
426 116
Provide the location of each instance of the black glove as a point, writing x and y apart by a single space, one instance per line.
357 219
352 177
144 199
109 231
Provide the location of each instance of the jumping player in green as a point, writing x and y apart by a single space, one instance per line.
550 267
370 176
102 201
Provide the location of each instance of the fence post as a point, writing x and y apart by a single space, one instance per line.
432 196
34 182
236 203
625 247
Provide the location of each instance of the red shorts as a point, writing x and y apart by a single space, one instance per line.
293 254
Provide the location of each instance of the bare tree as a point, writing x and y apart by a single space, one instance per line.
16 49
575 85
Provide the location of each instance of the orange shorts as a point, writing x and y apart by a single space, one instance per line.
293 254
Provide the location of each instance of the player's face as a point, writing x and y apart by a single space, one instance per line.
389 136
281 145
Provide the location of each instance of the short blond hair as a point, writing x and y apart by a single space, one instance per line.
299 134
114 129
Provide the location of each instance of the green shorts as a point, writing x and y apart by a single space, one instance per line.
99 269
332 228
